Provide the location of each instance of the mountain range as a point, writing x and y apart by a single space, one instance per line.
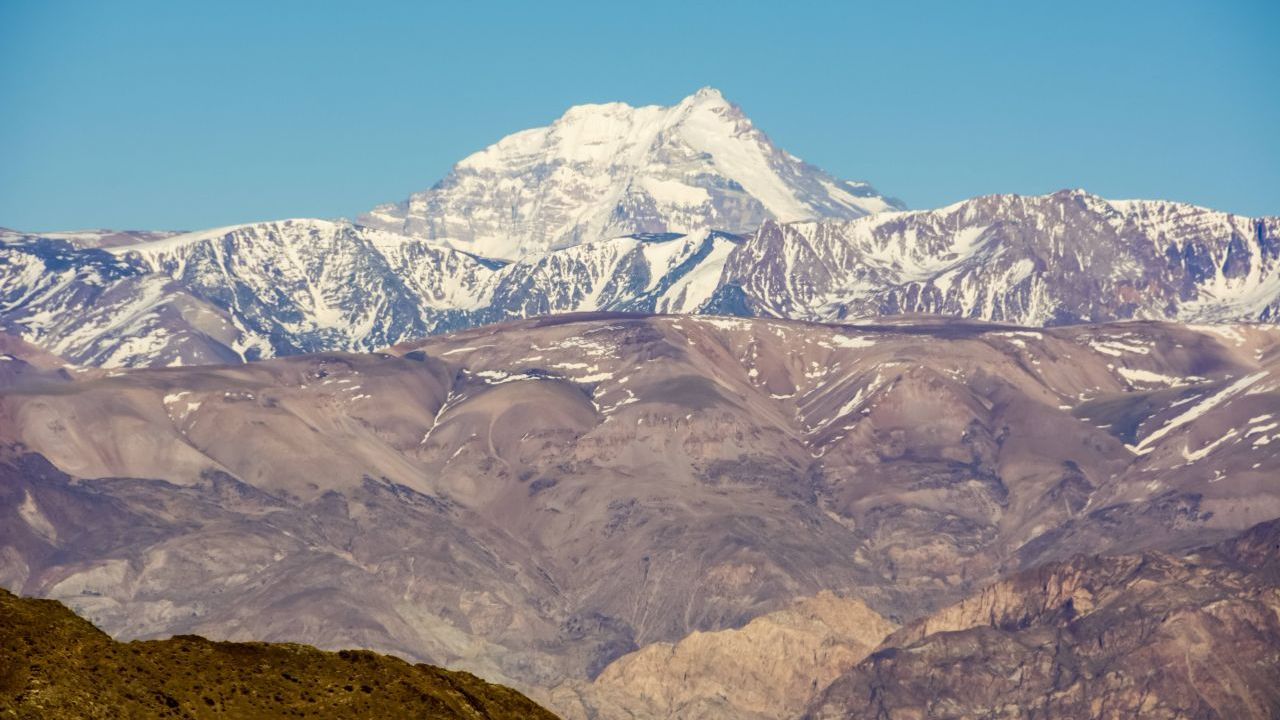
647 418
535 501
604 210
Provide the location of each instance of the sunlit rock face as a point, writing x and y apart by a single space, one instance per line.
1151 635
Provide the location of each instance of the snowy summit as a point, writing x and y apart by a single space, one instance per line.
609 170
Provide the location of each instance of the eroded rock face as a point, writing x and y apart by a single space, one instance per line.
1150 635
769 668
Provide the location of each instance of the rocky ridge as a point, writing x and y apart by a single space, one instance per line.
1151 635
290 287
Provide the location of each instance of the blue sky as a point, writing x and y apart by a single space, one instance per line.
183 115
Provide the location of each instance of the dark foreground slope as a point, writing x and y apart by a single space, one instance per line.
54 664
1149 635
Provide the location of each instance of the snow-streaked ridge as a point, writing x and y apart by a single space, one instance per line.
301 285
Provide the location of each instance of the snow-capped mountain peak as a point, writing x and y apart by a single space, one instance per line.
606 170
291 286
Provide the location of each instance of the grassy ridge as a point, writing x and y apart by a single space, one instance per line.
54 664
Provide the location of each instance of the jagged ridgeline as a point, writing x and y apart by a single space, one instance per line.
54 664
681 209
1134 636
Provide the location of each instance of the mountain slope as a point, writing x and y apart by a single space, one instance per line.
1152 636
294 286
287 287
1050 260
55 665
603 171
531 501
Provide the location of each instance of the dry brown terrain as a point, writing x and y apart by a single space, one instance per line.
769 668
534 501
1150 636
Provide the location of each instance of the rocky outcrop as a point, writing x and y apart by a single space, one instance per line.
767 669
1151 635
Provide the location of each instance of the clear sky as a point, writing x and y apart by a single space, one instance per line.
186 115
